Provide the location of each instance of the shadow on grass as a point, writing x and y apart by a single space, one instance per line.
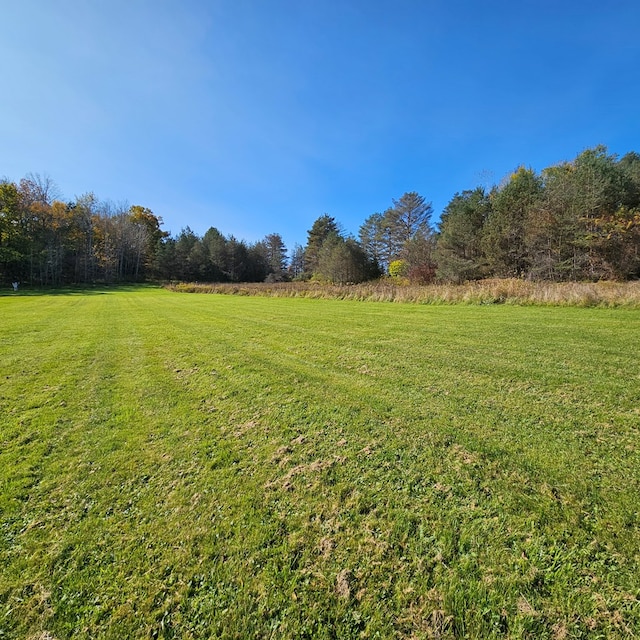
88 290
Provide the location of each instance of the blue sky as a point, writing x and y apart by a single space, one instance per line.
258 116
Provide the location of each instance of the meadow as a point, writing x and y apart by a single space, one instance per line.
211 466
488 291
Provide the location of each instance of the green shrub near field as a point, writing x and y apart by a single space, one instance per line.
186 466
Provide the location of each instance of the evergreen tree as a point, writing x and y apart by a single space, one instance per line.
410 215
459 252
296 264
343 261
217 255
373 239
321 229
275 256
503 241
387 237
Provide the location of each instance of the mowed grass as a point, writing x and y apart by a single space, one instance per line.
205 466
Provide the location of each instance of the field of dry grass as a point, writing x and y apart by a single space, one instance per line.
491 291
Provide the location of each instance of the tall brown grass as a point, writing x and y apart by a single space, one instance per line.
491 291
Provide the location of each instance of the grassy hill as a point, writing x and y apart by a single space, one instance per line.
183 466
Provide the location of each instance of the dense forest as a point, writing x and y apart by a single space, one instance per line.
577 220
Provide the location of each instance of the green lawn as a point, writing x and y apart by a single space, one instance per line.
205 466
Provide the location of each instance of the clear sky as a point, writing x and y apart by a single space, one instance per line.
258 116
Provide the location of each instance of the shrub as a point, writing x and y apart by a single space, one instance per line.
398 269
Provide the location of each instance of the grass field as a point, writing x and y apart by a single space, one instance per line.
208 466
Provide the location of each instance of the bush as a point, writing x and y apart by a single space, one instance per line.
398 269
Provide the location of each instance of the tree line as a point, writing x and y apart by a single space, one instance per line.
46 241
577 220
